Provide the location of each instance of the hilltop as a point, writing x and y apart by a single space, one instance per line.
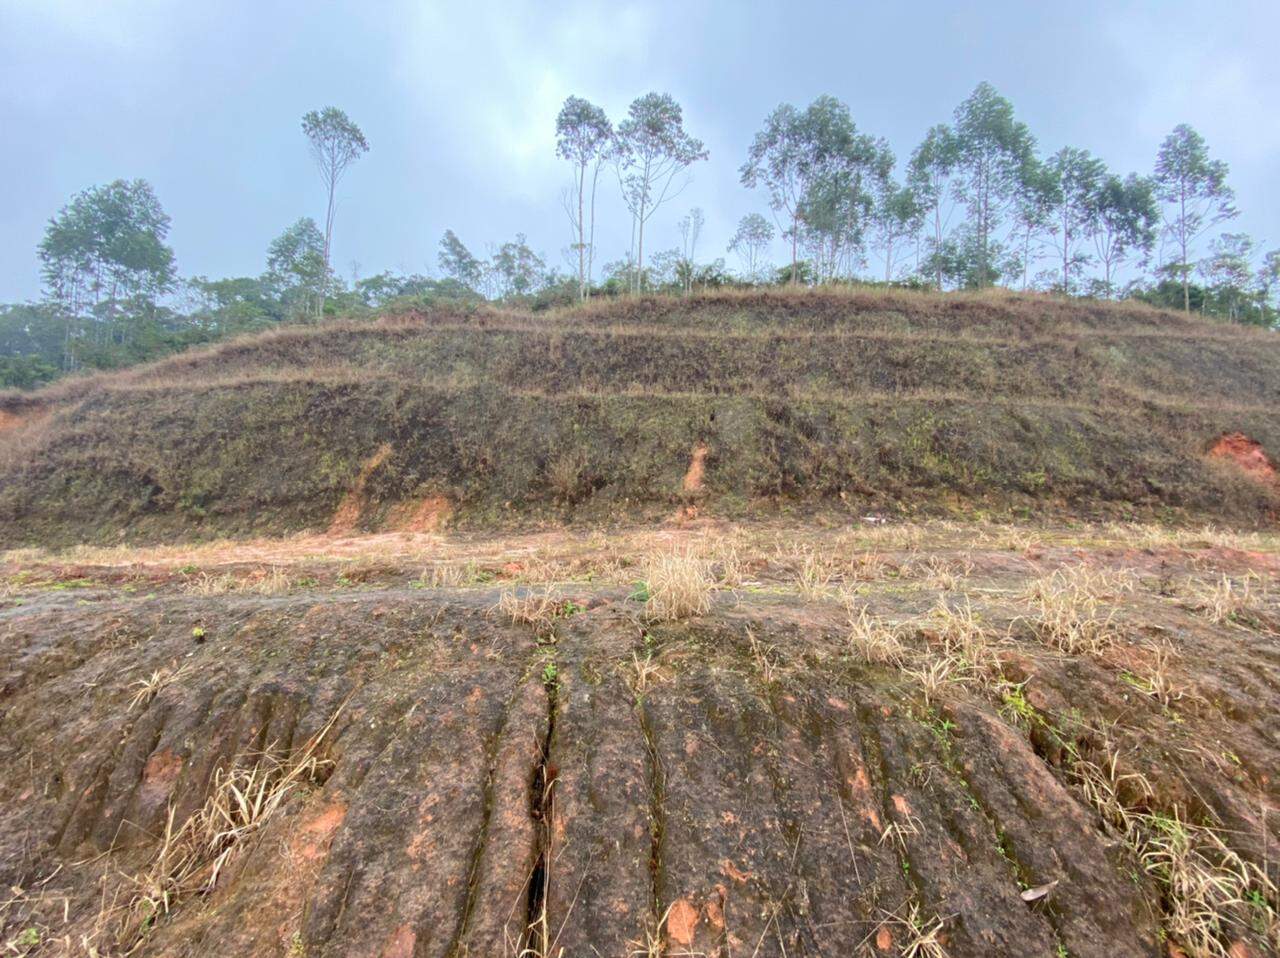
723 403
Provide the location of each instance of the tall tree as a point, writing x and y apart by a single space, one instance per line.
104 257
896 218
1125 222
336 143
1075 177
583 137
1033 209
296 274
994 154
750 240
458 263
929 178
690 229
652 149
1194 189
777 160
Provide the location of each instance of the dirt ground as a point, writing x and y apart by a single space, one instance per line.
871 739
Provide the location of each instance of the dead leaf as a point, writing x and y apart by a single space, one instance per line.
1035 894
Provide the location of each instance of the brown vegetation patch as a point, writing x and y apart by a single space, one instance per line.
694 477
427 514
1246 453
352 505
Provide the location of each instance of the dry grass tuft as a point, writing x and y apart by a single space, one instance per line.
1227 599
192 856
815 574
1211 897
676 585
151 686
537 609
874 642
1071 613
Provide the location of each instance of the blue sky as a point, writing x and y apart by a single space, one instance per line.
458 101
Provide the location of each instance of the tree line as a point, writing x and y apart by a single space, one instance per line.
975 204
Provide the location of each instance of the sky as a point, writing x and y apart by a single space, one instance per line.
458 102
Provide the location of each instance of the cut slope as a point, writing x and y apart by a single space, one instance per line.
813 397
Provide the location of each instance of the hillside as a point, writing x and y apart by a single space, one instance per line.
815 398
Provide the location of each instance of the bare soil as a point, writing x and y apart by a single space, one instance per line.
595 783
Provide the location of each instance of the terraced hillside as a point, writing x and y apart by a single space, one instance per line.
722 403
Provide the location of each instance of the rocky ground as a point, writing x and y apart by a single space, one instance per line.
889 739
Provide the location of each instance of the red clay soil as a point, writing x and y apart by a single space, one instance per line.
731 785
1246 453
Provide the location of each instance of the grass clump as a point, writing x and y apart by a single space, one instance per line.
1071 610
676 585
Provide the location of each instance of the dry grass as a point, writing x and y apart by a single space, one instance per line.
267 581
875 642
1155 678
538 609
676 585
1211 897
1072 611
151 686
815 574
1227 599
192 855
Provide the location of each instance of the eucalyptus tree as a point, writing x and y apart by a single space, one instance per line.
1125 217
1033 208
1229 272
749 242
459 263
583 137
1196 197
896 218
336 142
993 157
690 227
104 258
820 172
929 175
651 150
1075 177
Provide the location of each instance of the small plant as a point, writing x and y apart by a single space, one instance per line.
550 675
813 580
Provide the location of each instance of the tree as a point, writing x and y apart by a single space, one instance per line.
583 136
752 238
993 157
928 176
896 218
651 148
1033 207
1075 178
1229 273
1125 218
104 258
296 272
777 160
690 229
457 262
336 143
1195 190
518 267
